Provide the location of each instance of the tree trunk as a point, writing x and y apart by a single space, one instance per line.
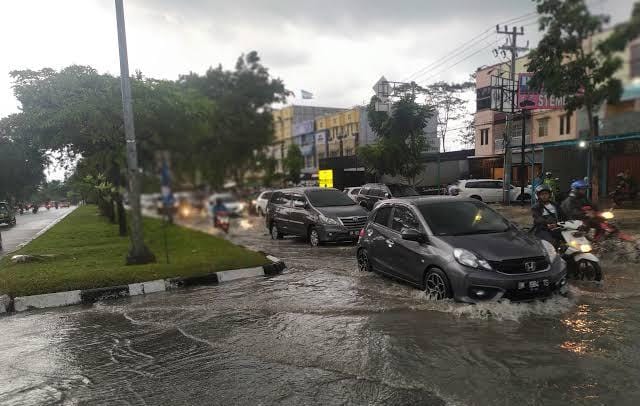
122 216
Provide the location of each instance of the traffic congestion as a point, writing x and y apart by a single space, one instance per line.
453 246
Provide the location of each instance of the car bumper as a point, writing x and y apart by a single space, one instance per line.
480 286
336 233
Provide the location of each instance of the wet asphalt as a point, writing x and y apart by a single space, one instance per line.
323 333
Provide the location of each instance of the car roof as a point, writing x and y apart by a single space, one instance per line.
414 200
483 180
304 189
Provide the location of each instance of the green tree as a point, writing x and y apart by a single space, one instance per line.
293 163
22 162
568 63
241 123
400 138
467 133
449 104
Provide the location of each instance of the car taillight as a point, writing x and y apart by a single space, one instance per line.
361 233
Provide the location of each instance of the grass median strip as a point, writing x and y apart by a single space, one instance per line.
84 251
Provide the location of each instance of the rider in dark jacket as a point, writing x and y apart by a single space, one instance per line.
546 215
573 205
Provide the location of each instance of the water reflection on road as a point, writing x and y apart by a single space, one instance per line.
324 333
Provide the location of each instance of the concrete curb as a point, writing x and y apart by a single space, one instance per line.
89 296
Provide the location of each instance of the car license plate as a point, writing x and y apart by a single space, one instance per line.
533 285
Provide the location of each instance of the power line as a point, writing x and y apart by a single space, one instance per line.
460 61
467 44
460 53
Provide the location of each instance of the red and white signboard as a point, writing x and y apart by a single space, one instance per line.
529 99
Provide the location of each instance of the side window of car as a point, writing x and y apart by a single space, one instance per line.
286 199
298 199
276 198
364 191
382 216
404 218
497 185
471 185
378 193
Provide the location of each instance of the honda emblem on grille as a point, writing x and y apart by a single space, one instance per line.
530 266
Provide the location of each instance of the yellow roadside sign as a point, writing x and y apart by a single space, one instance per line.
325 178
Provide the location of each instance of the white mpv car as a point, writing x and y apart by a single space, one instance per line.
486 190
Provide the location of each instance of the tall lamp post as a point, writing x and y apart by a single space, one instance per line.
138 253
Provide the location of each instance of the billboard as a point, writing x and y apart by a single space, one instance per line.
530 99
325 178
304 127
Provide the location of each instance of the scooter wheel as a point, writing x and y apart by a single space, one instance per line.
588 270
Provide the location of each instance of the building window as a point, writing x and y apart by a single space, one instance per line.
543 127
634 61
565 124
320 155
349 152
484 136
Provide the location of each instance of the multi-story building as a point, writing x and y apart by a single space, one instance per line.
284 121
552 137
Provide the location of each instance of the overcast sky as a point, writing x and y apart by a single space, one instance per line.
335 49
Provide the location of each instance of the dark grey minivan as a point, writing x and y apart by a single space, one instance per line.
458 248
317 214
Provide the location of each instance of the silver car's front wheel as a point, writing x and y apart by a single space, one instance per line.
314 237
363 261
436 285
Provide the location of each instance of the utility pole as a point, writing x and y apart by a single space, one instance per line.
138 253
513 48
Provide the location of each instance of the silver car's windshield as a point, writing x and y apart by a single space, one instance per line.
462 218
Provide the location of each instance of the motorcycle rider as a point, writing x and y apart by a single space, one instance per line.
546 215
573 206
219 207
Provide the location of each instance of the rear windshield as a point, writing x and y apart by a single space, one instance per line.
328 198
402 191
462 218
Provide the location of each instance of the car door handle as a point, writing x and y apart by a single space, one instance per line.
390 243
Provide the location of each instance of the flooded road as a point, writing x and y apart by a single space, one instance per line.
323 333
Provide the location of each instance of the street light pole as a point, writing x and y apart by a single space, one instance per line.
138 253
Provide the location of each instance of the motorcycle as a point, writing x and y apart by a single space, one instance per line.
34 210
222 220
575 249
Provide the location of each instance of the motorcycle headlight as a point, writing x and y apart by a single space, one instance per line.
585 248
468 258
607 215
328 220
550 251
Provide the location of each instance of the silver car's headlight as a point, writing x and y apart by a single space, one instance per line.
468 258
550 251
328 220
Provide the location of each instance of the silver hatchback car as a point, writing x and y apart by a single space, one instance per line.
458 248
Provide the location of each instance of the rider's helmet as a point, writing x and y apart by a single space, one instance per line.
579 185
548 174
542 188
620 175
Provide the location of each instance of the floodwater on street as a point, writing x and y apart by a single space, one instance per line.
324 333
